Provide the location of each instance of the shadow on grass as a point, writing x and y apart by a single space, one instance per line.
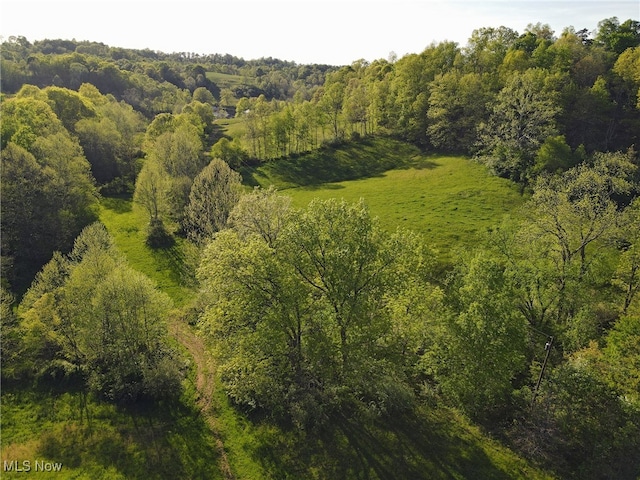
366 158
403 447
180 269
119 204
150 441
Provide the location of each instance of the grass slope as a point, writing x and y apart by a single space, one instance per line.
451 201
168 267
93 440
228 80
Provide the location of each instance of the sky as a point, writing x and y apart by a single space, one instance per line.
334 32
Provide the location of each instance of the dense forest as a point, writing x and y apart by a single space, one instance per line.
317 314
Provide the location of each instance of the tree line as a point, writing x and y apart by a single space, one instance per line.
510 99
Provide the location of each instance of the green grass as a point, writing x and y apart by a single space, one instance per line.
426 443
231 127
94 440
451 201
170 268
226 80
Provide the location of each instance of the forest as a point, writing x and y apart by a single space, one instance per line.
199 274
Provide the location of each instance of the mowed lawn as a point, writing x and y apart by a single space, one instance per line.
451 201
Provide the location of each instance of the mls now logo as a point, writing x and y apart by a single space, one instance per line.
28 466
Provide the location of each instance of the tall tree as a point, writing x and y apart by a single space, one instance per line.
263 212
481 350
457 105
214 193
522 118
48 191
305 323
102 321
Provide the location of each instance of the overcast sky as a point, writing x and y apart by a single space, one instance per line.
335 32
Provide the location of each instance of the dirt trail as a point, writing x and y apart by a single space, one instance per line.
205 383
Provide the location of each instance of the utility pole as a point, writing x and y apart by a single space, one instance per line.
547 347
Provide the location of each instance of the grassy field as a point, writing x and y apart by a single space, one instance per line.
231 127
92 440
170 268
226 80
451 201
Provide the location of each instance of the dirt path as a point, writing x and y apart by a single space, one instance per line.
205 383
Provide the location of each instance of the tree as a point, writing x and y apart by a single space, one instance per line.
175 144
589 429
100 140
616 36
480 350
522 118
201 94
304 324
332 101
262 212
90 316
627 275
555 257
230 152
69 106
111 141
152 192
554 156
627 66
47 189
487 47
26 118
151 189
457 105
214 193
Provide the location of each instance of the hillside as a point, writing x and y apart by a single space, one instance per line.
442 284
451 201
426 443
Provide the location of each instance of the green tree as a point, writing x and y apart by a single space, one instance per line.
176 144
627 66
152 192
90 316
214 193
100 140
522 118
590 430
554 156
331 102
480 350
457 105
201 94
69 106
557 255
25 118
230 152
627 275
487 47
304 324
616 36
262 212
47 188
